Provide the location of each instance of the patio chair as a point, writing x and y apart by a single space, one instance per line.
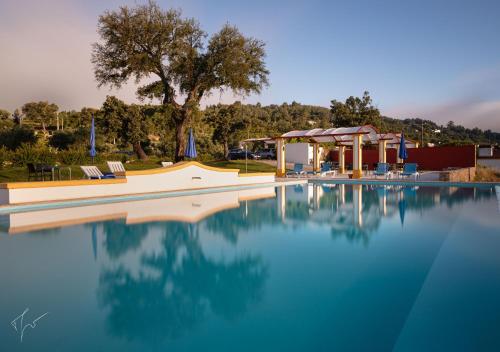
116 167
382 170
38 171
298 169
326 169
410 170
93 173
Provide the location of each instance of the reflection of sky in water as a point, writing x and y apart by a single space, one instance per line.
314 267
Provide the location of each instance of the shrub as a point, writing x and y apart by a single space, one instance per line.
75 156
28 153
62 140
15 137
5 155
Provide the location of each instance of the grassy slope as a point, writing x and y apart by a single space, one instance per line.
16 174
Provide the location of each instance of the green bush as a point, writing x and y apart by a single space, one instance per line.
75 156
62 140
5 156
28 153
15 137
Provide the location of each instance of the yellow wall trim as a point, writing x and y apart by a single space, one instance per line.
178 166
258 174
42 184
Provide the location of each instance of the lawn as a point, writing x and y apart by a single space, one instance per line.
17 174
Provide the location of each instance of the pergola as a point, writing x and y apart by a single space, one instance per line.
343 137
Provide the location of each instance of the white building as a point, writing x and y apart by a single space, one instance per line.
301 153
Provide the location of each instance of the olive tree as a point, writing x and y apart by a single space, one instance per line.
147 41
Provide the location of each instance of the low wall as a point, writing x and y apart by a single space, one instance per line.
490 162
181 176
432 159
459 175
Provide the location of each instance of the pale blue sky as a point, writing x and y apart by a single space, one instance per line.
431 59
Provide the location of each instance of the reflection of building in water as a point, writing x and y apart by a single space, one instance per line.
187 209
356 211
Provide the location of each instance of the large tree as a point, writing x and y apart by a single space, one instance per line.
42 113
146 41
355 112
227 121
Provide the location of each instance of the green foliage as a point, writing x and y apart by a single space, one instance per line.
16 136
226 121
40 113
6 122
74 156
355 112
62 140
5 156
135 129
111 117
28 153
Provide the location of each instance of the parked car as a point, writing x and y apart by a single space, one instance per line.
267 154
239 154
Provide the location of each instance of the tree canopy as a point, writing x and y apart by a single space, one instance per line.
40 113
355 111
146 40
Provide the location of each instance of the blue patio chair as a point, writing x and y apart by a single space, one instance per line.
326 169
382 170
298 169
410 170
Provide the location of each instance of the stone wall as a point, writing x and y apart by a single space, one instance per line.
458 175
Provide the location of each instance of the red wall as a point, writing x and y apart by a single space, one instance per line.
436 158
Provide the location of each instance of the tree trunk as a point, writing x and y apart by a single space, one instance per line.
139 151
180 139
226 150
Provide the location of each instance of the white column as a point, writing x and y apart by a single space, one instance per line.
357 202
316 157
357 162
280 156
281 202
341 159
382 158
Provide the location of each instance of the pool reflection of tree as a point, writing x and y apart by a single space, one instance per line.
188 283
250 215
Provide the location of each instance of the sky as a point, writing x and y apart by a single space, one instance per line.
437 60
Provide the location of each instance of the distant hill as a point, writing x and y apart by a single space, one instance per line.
266 120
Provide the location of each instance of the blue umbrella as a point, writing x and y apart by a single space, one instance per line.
92 140
403 154
191 146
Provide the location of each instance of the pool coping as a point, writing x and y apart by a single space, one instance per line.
26 207
407 183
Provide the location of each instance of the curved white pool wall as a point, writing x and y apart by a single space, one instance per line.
182 176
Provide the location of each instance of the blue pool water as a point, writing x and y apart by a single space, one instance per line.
316 267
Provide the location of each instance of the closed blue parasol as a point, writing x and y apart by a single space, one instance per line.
92 140
191 146
403 154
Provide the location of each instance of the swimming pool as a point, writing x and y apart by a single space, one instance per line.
318 267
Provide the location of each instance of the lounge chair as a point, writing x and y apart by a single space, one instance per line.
410 170
93 173
326 169
298 169
116 167
382 170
